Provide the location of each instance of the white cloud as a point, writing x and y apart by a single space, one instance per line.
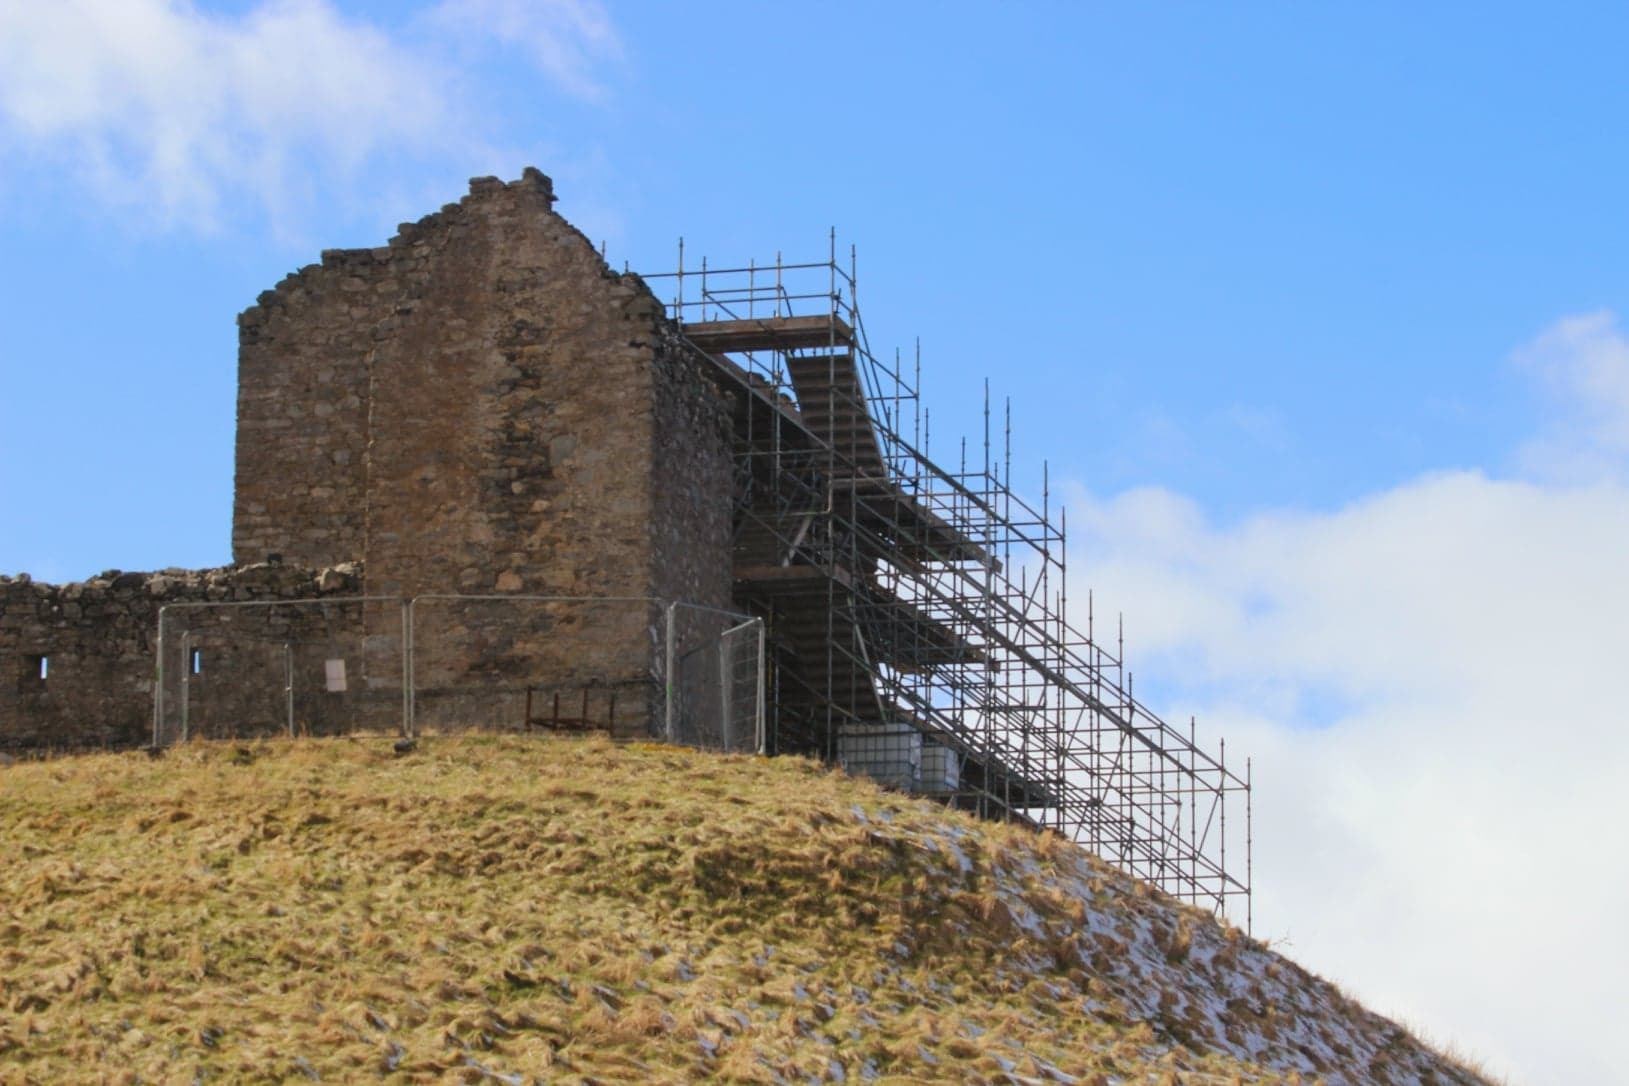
1584 363
160 107
567 39
1430 680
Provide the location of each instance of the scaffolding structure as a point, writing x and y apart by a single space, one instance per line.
918 616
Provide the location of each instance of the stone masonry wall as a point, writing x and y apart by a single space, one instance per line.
693 467
302 433
511 435
479 407
510 409
99 640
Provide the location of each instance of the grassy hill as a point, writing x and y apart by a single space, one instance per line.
511 910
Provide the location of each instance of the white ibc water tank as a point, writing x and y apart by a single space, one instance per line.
941 769
890 754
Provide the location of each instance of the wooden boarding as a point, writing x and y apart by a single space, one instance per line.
769 334
922 535
918 532
833 406
761 395
793 578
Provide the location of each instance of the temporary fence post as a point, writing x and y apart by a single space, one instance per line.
407 671
763 744
409 677
726 691
288 685
186 683
158 683
668 709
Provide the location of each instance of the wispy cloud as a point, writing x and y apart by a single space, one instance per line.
1429 679
1583 362
177 113
569 40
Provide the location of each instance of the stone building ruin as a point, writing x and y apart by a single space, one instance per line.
475 467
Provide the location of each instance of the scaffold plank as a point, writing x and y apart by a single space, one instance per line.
792 577
769 334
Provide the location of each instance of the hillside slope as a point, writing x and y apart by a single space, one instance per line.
517 910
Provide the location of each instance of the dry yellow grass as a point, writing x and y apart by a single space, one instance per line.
518 910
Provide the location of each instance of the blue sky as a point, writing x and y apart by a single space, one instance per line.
1263 255
1311 308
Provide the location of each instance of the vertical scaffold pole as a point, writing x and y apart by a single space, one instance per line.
1249 848
1221 889
1195 867
853 282
678 298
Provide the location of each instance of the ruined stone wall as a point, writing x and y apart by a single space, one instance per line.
98 639
693 475
470 409
479 407
512 427
511 409
302 435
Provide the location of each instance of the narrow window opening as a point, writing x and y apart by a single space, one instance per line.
36 669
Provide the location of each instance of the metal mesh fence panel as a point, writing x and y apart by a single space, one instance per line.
518 663
279 667
716 688
447 663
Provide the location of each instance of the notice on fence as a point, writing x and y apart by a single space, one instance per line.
336 675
